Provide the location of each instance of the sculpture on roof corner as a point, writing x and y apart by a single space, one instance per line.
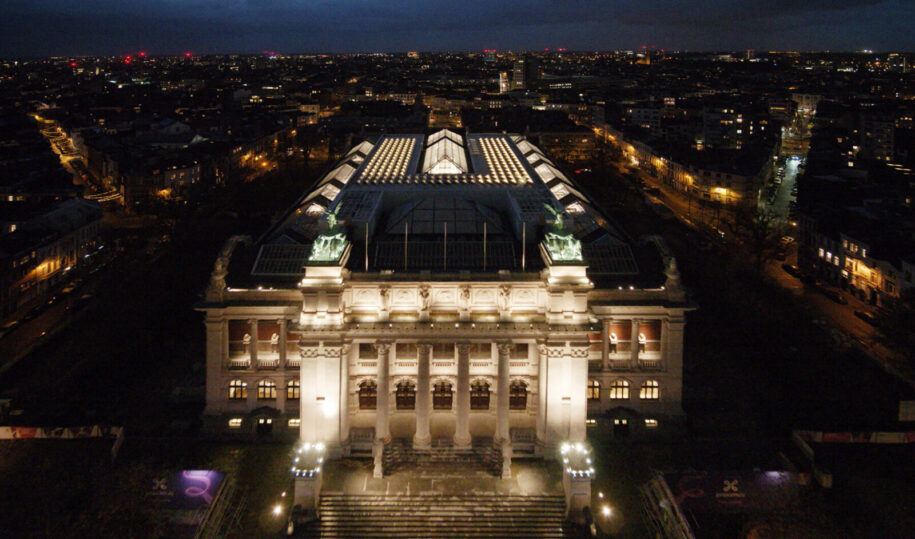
560 244
329 245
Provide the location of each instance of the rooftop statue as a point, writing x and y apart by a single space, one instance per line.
329 246
560 244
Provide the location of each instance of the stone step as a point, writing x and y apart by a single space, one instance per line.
486 515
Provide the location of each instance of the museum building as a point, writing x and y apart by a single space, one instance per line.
439 289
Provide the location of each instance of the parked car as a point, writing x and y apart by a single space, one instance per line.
791 270
833 295
867 317
33 314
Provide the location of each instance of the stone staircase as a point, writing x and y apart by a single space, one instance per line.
465 516
483 455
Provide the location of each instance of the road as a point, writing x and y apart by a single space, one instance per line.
780 205
840 320
17 343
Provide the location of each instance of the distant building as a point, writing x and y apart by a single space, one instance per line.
525 74
46 241
505 84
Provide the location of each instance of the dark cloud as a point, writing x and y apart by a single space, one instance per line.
43 27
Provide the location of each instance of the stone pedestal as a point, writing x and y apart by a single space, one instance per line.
377 455
308 491
506 459
577 473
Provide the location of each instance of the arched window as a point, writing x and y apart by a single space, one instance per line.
266 389
650 390
619 390
593 389
406 395
368 395
479 395
238 390
517 399
442 396
292 390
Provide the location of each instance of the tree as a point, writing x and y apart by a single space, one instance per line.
758 233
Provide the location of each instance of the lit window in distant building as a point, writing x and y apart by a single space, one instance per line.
295 423
619 390
591 422
821 253
266 389
292 390
235 423
593 390
650 390
651 423
238 390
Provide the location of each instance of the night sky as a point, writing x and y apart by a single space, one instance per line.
97 27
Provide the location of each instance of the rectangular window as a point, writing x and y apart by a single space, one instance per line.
591 422
406 350
295 423
367 351
443 351
651 423
235 423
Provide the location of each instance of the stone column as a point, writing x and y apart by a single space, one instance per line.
216 364
502 421
605 343
282 346
308 395
281 388
382 431
462 423
423 438
252 325
673 365
542 385
634 344
665 330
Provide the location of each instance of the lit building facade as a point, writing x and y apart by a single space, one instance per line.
443 287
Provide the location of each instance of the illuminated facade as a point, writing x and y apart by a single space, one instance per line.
450 287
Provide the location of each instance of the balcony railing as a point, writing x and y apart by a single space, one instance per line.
620 364
270 363
650 364
239 363
293 362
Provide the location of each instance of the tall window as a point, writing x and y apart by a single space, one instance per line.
238 390
266 389
619 390
650 390
368 395
593 390
479 395
292 390
517 399
441 396
406 395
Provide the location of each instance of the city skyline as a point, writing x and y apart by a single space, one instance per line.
102 27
